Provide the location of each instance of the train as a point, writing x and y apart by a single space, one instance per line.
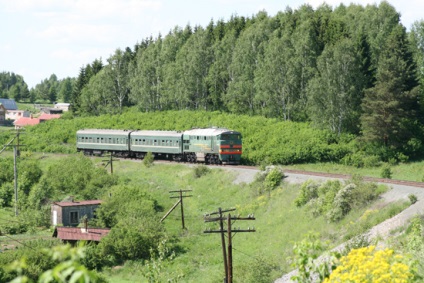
209 145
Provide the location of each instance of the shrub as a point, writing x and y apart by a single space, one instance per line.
413 198
308 191
342 204
273 178
201 170
148 160
386 171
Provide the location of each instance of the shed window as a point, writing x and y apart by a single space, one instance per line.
73 215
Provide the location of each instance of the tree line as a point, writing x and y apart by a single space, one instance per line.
49 90
351 69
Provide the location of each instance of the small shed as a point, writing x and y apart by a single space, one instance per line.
71 212
74 234
2 114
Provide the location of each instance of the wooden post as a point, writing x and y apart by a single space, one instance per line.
230 251
15 171
224 253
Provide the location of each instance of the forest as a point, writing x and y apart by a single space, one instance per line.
349 69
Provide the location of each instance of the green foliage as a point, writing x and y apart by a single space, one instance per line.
148 160
131 213
273 179
341 204
412 198
74 175
415 242
155 267
6 194
66 267
361 160
305 260
127 241
386 171
201 170
334 199
257 270
308 191
36 260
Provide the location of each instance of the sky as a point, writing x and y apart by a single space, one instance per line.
43 37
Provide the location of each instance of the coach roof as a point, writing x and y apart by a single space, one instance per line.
156 134
103 132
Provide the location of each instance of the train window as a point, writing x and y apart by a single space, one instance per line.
204 138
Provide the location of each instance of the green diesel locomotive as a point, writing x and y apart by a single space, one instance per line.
209 145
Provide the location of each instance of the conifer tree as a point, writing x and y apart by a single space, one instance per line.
389 108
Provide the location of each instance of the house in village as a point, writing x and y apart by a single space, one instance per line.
16 114
70 213
12 112
9 104
2 114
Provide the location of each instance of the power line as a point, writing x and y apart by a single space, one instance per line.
227 253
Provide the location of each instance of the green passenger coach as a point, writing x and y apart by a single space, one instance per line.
95 142
165 144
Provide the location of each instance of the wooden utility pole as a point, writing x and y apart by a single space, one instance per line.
110 161
15 166
15 173
180 201
228 260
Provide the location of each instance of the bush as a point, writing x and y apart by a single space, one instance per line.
341 204
308 191
273 178
412 198
201 170
386 171
148 160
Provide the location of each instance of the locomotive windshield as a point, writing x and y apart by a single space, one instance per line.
230 137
